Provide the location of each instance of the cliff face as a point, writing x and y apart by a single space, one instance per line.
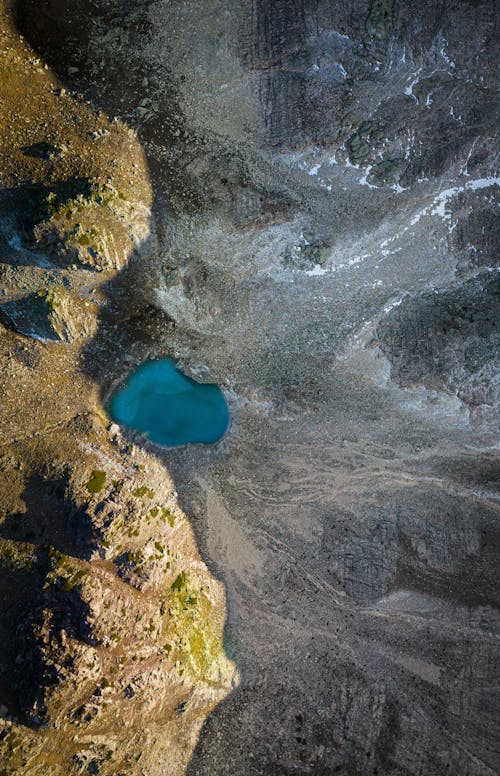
319 237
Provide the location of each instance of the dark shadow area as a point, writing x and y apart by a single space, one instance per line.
473 584
191 171
26 236
51 519
62 32
22 599
41 150
37 574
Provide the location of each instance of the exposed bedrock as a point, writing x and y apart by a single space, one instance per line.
324 245
448 341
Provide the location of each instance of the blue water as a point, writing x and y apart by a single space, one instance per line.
169 407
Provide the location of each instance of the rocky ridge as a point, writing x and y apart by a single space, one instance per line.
111 625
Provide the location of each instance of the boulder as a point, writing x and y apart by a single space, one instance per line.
51 314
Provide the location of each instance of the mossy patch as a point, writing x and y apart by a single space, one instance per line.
52 313
134 557
65 572
362 145
167 516
179 583
143 492
193 635
96 481
385 172
96 195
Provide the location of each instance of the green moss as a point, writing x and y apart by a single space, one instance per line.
385 171
305 253
166 515
143 492
92 194
204 647
361 145
66 583
134 557
65 573
53 298
194 636
88 238
366 127
180 582
96 482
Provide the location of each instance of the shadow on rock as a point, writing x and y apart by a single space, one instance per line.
40 575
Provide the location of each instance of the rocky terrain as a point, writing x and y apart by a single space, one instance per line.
297 200
111 629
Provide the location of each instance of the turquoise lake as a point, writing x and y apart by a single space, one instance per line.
171 408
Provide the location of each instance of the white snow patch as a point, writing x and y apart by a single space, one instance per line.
442 198
364 180
394 302
317 270
409 89
351 262
438 206
442 52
